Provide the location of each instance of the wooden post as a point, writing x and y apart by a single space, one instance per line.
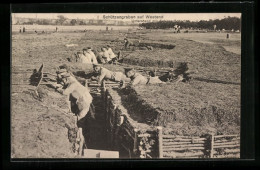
160 141
211 144
109 128
104 86
135 141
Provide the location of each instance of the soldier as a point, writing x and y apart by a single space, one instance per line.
88 56
137 78
79 100
104 55
98 54
111 54
179 29
104 73
128 43
62 70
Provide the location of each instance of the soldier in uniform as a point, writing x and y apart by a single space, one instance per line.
111 54
80 103
104 73
104 55
88 56
128 43
137 78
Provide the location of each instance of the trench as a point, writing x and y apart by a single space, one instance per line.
96 132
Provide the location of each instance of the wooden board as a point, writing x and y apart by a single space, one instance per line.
92 153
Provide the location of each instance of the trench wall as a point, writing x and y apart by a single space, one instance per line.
144 141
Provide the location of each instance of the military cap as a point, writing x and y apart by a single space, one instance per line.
64 66
65 75
128 69
76 94
61 71
96 65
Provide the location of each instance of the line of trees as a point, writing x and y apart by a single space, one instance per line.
60 21
228 23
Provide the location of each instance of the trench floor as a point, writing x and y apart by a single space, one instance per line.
96 133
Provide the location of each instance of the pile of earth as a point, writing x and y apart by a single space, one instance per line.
40 126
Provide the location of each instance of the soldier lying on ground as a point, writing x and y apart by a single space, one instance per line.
79 96
168 77
137 78
104 73
128 43
62 70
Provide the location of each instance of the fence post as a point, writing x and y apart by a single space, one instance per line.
159 136
135 142
211 144
104 85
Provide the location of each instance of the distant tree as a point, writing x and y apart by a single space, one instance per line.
227 23
73 22
61 19
81 23
46 22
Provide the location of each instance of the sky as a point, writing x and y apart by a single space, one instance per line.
130 16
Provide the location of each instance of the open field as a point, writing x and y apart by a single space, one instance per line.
39 128
52 28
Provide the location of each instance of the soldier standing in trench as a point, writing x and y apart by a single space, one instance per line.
79 102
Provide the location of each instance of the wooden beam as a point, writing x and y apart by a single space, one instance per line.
160 141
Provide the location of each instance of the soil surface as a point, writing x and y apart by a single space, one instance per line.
40 126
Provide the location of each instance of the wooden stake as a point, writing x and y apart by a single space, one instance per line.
135 141
211 140
160 141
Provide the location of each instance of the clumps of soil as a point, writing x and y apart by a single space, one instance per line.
40 94
187 108
72 133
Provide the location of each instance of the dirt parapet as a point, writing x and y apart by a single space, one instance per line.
180 112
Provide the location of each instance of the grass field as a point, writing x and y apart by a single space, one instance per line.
210 56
